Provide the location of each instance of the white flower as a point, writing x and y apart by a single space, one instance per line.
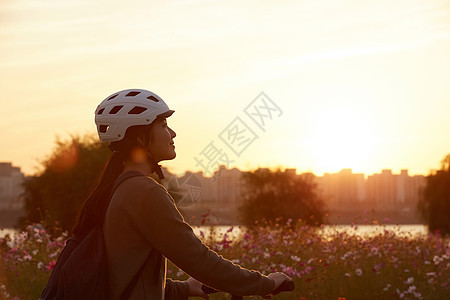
295 258
358 272
40 265
400 295
387 287
437 260
431 273
347 274
412 289
426 262
27 257
34 252
410 280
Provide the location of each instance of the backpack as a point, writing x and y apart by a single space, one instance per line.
81 271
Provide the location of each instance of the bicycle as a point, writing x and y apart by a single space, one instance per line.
286 286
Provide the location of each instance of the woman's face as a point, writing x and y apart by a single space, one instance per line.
162 147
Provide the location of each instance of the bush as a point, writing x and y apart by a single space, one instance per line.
270 196
435 202
67 177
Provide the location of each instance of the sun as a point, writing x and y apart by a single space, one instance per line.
342 138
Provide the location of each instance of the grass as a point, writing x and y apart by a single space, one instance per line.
336 265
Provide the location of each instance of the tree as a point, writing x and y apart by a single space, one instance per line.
271 195
434 204
66 178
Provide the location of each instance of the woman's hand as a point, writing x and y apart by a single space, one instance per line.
278 278
195 288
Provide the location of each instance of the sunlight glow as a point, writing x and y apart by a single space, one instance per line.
342 139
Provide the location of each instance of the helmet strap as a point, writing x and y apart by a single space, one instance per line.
154 166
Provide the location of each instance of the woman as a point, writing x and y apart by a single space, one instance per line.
141 224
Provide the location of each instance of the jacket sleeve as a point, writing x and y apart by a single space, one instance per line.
176 290
162 225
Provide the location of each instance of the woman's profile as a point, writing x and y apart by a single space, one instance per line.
142 226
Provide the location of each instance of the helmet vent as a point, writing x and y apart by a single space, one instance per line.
103 128
132 94
115 109
112 97
100 111
137 110
153 98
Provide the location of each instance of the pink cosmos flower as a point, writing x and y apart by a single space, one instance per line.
51 265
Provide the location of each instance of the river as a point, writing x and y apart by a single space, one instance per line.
363 230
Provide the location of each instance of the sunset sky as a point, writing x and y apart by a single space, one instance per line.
359 84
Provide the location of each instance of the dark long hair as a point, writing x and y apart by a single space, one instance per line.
93 209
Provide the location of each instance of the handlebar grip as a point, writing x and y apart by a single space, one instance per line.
285 286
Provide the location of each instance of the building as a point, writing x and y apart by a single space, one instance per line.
343 189
228 185
389 191
11 187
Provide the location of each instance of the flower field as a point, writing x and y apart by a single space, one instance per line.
336 265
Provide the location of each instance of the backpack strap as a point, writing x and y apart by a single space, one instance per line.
122 177
127 292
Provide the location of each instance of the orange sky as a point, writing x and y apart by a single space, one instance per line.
360 84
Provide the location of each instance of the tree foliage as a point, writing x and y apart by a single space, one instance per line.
270 195
66 178
435 201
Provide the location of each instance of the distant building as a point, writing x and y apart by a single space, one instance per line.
228 185
342 189
382 189
387 191
409 188
11 189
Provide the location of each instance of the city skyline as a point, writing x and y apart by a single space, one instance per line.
272 168
342 192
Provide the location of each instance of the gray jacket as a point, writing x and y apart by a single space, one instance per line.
143 226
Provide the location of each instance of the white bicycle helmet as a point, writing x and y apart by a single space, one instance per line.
127 108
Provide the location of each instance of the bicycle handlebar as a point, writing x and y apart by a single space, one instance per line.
285 286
